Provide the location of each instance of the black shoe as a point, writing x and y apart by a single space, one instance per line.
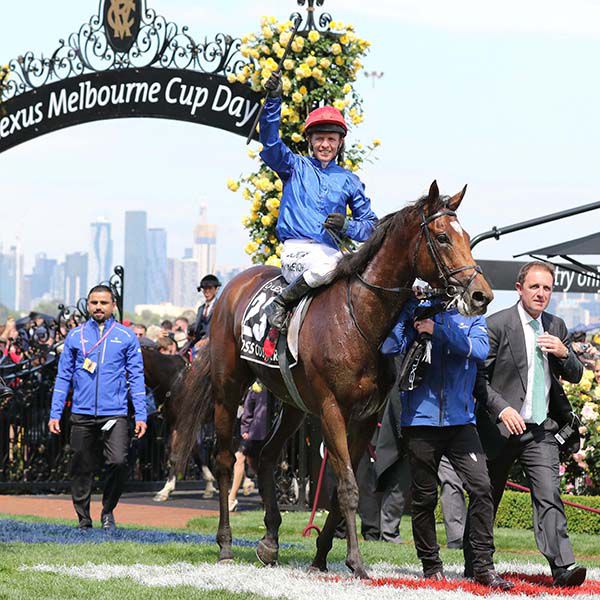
108 521
572 576
84 524
277 313
278 309
435 576
492 580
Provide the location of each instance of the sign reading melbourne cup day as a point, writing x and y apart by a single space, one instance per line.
127 62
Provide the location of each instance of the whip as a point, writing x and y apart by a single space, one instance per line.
278 70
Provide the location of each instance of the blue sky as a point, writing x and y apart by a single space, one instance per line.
500 95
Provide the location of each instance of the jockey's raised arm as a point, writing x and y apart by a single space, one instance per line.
317 193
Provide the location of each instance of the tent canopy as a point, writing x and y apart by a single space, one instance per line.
588 245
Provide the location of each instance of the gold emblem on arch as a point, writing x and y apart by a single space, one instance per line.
120 17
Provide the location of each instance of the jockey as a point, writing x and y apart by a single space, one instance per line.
316 193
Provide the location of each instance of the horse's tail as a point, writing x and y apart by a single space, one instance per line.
195 405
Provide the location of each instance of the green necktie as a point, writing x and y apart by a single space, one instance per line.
538 393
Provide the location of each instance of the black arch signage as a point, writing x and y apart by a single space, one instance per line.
127 62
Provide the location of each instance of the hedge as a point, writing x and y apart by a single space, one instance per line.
515 512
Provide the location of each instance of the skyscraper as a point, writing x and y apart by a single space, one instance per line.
157 278
205 244
11 275
41 277
135 258
75 277
100 256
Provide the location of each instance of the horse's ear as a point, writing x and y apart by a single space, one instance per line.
455 201
434 192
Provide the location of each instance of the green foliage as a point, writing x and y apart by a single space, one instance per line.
515 512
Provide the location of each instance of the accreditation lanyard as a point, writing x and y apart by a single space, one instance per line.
85 352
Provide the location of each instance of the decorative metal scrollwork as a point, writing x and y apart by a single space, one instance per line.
159 43
309 21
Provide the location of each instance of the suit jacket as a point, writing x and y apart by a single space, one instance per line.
201 327
502 380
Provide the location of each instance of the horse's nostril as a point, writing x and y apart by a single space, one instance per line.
479 298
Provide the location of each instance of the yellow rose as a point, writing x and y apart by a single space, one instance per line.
311 61
265 49
273 261
279 250
257 196
376 142
246 221
267 220
256 204
289 64
347 88
317 73
325 63
231 78
313 36
302 89
297 97
298 44
251 154
339 61
273 204
336 49
241 78
284 38
344 39
296 137
233 185
246 194
251 247
339 104
286 84
278 185
267 33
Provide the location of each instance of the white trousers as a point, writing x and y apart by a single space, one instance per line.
316 261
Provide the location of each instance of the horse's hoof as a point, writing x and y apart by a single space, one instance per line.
266 554
207 495
161 497
317 569
359 572
225 561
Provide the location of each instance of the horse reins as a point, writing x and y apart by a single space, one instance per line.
451 290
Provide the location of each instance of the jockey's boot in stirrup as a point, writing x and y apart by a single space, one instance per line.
278 309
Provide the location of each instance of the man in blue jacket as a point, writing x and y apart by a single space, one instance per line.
316 194
438 419
102 362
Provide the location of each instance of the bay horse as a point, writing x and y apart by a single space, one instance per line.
166 376
340 373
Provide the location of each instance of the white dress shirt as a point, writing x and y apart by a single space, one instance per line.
526 409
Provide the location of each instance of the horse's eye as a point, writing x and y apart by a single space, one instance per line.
443 238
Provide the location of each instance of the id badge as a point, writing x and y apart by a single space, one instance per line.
89 365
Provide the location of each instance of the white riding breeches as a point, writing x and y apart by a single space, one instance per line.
316 261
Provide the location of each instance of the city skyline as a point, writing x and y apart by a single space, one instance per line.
66 280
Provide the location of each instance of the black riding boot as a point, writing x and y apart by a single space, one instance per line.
278 309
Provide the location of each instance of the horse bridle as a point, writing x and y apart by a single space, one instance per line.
452 287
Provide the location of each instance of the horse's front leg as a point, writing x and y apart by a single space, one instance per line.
288 422
224 459
344 462
169 487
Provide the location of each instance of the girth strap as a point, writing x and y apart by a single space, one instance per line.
286 373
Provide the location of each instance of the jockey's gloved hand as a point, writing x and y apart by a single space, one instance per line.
335 222
273 86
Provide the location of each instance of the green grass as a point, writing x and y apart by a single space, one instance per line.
15 585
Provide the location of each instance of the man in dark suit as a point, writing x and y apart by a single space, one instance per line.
209 286
521 405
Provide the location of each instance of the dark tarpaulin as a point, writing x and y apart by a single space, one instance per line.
588 245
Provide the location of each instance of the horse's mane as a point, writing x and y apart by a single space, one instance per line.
356 262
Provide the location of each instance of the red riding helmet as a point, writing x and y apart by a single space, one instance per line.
326 118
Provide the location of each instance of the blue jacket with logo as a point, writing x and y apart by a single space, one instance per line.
119 369
310 193
445 397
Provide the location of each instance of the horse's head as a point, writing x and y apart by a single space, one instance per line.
442 254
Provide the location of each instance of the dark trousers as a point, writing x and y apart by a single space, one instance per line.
461 445
539 458
88 441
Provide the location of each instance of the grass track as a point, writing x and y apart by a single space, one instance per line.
17 585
